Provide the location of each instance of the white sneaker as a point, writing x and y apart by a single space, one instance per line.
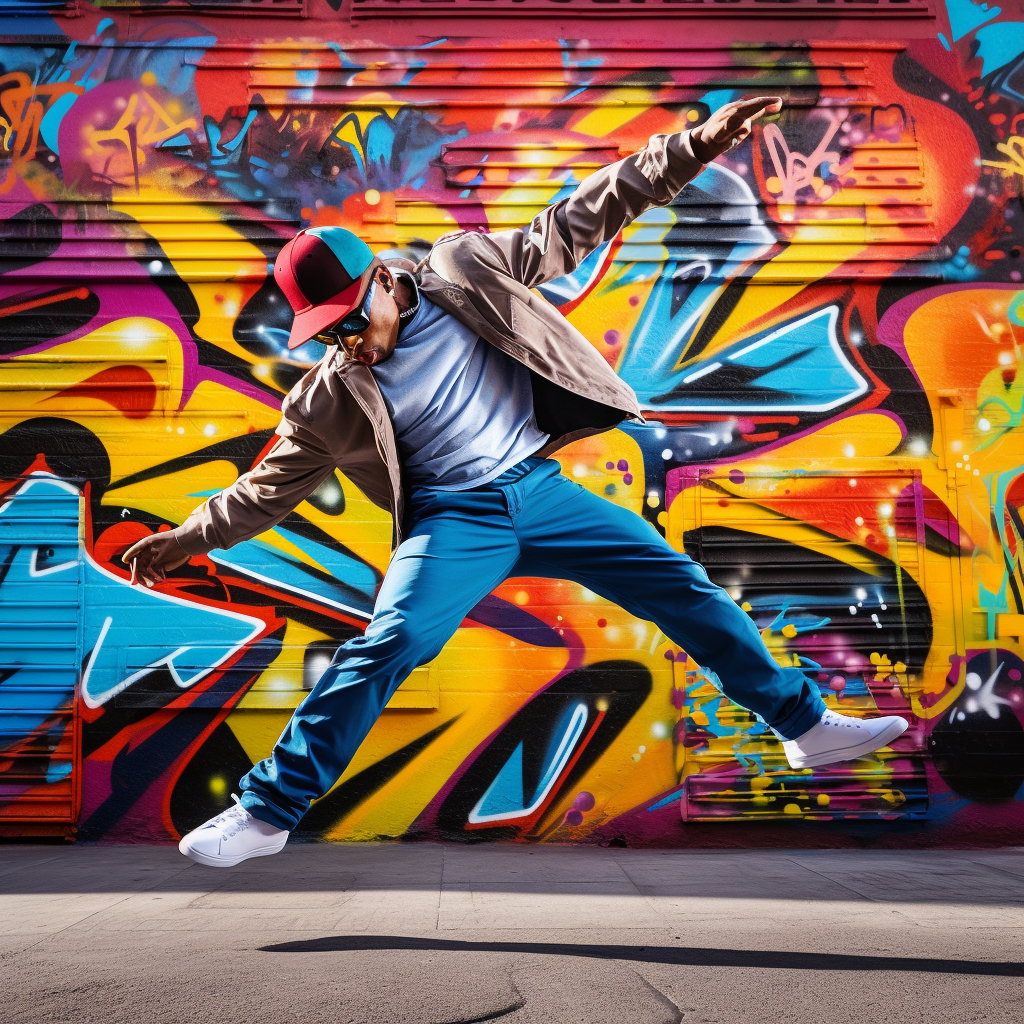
841 738
231 837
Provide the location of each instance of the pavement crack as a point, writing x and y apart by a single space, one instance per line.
104 910
829 878
440 891
647 897
29 865
669 1003
494 1014
995 867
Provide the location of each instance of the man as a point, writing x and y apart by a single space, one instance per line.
440 398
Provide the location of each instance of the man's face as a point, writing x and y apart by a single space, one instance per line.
376 342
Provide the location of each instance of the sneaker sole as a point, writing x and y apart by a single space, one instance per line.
883 739
229 862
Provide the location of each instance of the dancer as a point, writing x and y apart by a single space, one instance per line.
443 390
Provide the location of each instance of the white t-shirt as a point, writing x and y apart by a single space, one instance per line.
462 410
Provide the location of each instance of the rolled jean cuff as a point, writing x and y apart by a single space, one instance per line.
262 810
794 726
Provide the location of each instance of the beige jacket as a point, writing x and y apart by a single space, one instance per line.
335 416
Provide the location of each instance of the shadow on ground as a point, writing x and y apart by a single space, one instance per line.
680 955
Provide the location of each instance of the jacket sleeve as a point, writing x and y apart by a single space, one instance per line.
258 500
560 237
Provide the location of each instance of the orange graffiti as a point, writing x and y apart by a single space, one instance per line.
23 104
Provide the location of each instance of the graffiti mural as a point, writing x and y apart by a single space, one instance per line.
823 329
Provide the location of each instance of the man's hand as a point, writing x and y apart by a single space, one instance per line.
730 125
153 557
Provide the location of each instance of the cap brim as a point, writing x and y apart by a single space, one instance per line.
318 318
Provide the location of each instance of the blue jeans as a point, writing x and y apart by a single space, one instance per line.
530 521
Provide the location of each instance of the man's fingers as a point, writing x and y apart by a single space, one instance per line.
761 104
134 551
150 560
740 120
752 110
150 572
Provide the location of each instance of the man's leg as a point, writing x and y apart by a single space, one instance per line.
461 547
570 533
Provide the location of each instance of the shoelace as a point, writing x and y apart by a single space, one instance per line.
841 720
236 818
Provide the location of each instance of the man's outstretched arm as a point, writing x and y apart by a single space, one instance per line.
258 500
562 236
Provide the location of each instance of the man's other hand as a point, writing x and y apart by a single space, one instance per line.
153 557
730 125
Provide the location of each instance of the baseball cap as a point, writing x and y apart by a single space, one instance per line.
319 271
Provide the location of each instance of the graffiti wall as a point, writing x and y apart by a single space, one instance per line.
824 331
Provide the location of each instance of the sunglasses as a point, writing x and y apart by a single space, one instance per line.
357 320
354 322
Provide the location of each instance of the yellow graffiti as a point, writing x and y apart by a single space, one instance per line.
144 122
1013 147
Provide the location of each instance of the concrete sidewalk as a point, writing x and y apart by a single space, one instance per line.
424 934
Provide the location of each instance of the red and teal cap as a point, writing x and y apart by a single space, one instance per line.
319 271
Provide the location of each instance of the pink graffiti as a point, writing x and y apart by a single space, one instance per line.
795 170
